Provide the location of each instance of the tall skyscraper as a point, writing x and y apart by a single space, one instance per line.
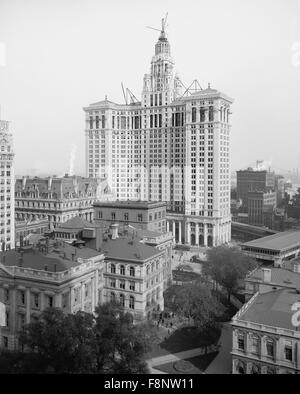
7 205
171 146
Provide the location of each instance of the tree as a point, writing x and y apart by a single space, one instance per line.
227 266
107 342
196 302
121 345
63 342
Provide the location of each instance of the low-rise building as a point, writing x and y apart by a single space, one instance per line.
53 274
268 278
24 228
146 215
264 338
57 199
78 230
275 248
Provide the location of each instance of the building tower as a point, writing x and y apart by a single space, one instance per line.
170 147
7 194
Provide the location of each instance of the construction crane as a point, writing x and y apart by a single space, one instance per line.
163 25
129 97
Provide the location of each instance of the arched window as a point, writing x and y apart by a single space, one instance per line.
240 368
147 270
255 369
122 300
112 268
132 271
131 302
122 270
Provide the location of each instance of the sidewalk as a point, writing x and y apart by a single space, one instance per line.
222 363
168 358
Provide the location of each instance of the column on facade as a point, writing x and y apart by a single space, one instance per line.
205 234
188 233
168 226
197 234
28 305
82 296
179 232
93 293
42 295
58 300
174 233
214 243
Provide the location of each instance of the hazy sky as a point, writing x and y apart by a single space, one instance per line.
62 55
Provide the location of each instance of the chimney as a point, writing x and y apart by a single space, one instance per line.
266 275
297 267
114 231
99 238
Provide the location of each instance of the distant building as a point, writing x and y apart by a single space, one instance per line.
52 274
146 215
264 339
275 248
261 208
57 198
25 228
250 180
7 195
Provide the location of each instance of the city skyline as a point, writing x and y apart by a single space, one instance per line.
47 66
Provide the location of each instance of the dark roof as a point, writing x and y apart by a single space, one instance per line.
124 248
272 309
279 276
76 223
279 242
34 259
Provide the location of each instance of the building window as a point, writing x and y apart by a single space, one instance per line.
122 300
241 342
112 283
131 302
112 297
22 297
122 270
126 216
100 215
50 302
288 352
112 268
36 300
122 284
270 348
255 344
132 286
140 217
113 216
132 271
5 342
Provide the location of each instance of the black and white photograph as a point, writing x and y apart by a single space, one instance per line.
149 190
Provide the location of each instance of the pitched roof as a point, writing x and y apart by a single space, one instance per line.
59 259
76 223
279 242
272 309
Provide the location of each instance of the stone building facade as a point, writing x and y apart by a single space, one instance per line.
57 198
